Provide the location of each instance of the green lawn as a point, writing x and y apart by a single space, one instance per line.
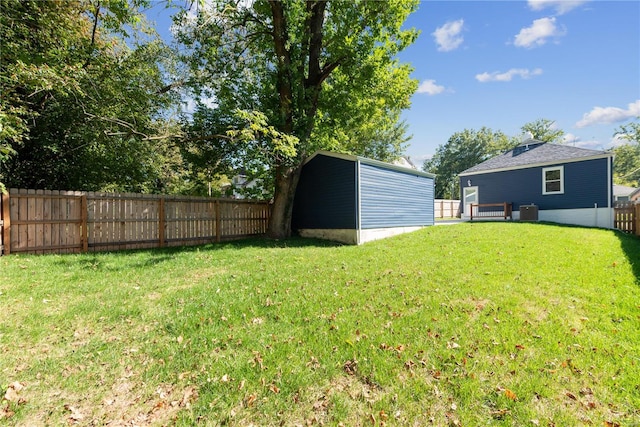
471 324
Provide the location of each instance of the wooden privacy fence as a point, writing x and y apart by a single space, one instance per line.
626 217
446 208
42 221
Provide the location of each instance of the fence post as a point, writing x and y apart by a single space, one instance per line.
161 222
84 217
6 228
218 222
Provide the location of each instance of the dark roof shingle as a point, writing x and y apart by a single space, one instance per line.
532 152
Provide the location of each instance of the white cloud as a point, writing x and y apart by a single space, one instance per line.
589 145
618 140
570 138
560 6
538 33
448 36
608 115
497 76
430 88
576 141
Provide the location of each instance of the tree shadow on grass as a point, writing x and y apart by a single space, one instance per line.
630 244
251 243
140 258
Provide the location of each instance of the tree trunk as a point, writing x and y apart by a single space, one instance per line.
282 210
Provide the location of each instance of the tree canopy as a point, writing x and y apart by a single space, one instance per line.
464 150
626 169
543 130
81 109
322 75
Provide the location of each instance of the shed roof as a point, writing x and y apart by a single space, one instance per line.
535 153
371 162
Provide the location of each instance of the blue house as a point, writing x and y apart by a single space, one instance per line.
565 184
353 199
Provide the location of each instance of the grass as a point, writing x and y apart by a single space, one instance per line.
472 324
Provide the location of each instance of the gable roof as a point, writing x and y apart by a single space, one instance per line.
372 162
533 153
623 190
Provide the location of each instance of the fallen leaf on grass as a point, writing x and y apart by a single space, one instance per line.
13 391
571 395
250 400
499 414
409 364
350 367
76 415
586 391
510 395
5 412
452 419
189 395
320 405
314 363
11 395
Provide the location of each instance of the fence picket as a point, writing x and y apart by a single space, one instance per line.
627 217
444 208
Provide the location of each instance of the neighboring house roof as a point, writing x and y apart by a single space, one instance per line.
535 153
623 190
405 162
372 162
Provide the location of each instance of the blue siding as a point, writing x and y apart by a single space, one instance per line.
585 184
326 195
389 198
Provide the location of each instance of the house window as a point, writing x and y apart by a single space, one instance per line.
553 180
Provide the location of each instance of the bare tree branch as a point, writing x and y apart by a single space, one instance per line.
93 35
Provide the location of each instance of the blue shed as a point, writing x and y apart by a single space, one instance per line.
353 199
565 184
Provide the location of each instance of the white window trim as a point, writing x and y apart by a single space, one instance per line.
544 182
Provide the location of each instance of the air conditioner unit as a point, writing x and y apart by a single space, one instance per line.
528 213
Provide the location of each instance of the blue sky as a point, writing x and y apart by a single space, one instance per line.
502 64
